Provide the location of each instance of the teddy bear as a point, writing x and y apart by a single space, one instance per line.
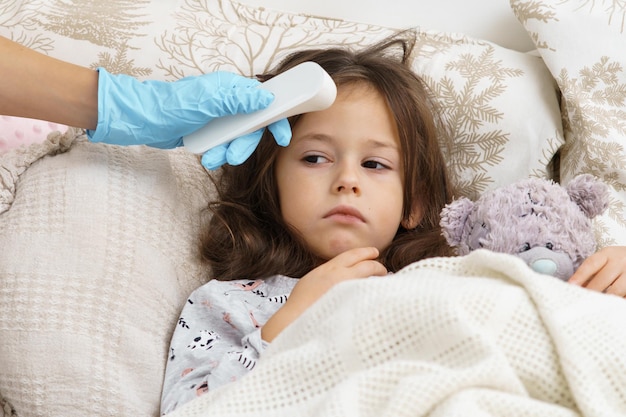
544 223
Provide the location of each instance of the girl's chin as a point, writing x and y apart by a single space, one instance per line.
338 249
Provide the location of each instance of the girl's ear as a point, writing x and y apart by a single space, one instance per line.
413 219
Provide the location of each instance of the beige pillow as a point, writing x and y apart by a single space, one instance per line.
584 47
98 252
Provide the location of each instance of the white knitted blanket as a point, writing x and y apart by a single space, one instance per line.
480 335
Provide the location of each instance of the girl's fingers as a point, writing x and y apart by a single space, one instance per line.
588 269
618 287
354 263
354 256
602 280
370 268
604 271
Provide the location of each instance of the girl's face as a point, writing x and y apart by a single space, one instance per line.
340 181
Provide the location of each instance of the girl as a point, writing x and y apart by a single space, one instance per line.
357 193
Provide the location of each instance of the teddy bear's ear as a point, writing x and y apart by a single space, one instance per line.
453 218
591 195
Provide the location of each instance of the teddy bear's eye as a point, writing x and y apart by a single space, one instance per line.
549 246
526 247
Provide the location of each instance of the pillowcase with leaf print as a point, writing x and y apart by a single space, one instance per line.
583 45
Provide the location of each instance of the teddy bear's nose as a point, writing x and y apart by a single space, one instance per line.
544 266
548 262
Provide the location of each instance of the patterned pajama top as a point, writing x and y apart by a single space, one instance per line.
218 336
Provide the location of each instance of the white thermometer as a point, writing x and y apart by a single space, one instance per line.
301 89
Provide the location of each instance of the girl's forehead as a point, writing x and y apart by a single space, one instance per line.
358 109
357 87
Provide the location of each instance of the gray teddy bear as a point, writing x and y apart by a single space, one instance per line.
547 225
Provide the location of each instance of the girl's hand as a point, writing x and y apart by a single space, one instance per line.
604 271
352 264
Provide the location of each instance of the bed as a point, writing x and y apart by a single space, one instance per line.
98 244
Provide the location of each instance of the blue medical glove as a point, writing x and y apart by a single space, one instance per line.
159 113
240 149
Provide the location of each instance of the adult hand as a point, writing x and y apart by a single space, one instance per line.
159 113
352 264
240 149
604 271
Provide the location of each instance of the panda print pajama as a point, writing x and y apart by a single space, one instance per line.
217 338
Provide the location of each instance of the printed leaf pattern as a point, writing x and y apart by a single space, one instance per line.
596 115
534 10
596 110
19 18
224 35
538 10
466 109
615 10
191 37
113 24
593 85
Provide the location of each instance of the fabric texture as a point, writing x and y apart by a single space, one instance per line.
583 45
98 252
6 409
480 335
20 131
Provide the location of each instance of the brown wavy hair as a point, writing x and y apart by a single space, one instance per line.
246 236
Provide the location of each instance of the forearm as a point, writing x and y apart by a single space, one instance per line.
38 86
278 322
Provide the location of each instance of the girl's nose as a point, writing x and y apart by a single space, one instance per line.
347 181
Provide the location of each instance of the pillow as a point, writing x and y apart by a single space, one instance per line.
98 243
501 105
583 46
98 253
19 131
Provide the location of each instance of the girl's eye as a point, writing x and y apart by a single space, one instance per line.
314 159
373 165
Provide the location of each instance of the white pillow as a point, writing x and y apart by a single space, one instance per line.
584 45
501 107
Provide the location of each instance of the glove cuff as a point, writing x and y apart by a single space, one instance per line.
101 130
